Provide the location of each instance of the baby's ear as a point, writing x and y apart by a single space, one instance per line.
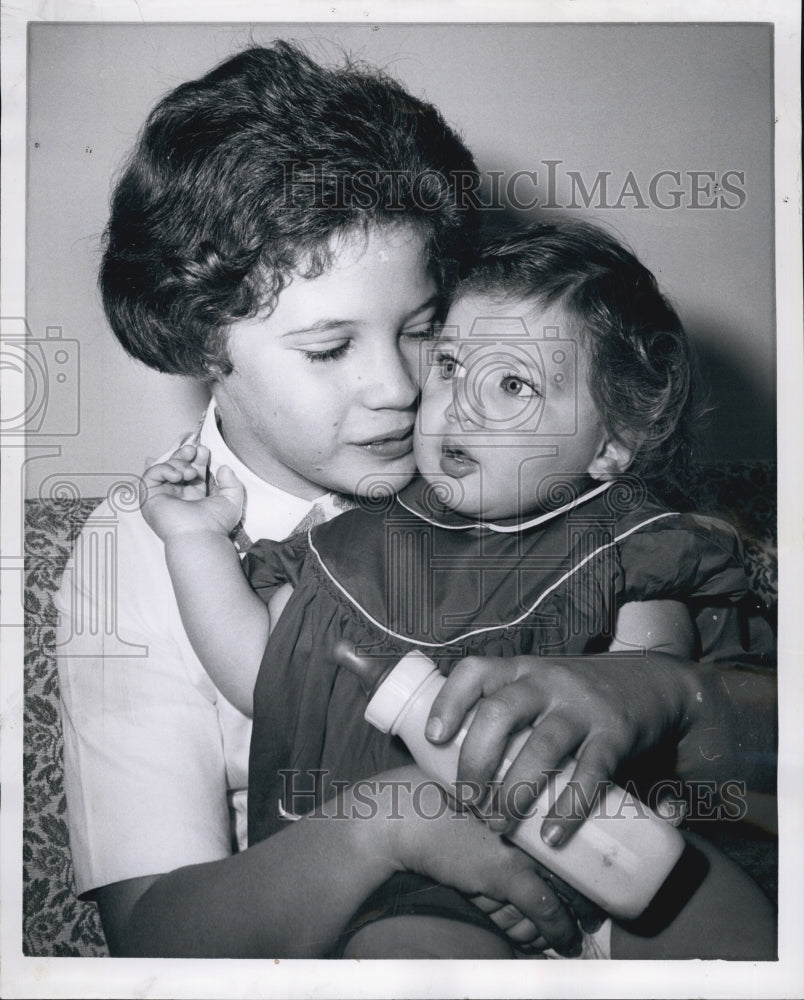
612 459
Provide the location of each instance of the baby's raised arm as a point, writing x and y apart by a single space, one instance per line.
227 624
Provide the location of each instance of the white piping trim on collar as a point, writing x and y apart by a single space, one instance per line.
510 529
485 628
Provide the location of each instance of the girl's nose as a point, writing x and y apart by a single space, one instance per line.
391 383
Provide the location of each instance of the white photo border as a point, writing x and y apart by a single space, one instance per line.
68 977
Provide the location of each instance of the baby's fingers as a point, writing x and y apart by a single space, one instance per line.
174 470
196 454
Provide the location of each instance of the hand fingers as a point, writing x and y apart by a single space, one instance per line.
587 913
596 765
538 944
486 903
509 919
471 679
464 854
524 932
201 460
192 451
186 451
539 904
498 717
230 487
533 910
174 470
544 753
197 454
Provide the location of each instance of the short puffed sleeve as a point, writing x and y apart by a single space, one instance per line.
269 565
683 557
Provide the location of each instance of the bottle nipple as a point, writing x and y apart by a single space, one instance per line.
369 670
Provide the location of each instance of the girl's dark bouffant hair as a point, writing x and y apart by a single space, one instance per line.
642 374
246 176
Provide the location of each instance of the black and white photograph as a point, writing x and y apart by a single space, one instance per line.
402 489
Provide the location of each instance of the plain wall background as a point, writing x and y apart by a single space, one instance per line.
615 98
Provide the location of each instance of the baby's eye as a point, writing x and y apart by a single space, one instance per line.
515 385
329 353
447 365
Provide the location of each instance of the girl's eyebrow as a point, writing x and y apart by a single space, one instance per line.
326 325
320 326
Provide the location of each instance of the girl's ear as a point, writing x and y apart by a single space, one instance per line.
612 459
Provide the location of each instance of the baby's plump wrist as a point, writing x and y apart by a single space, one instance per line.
184 535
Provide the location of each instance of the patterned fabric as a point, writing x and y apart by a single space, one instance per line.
744 493
55 923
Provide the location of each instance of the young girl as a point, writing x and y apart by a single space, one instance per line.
271 211
558 389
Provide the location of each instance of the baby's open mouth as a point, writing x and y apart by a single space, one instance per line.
456 461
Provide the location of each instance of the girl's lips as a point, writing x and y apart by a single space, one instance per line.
396 445
456 463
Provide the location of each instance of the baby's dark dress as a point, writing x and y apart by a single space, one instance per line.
415 576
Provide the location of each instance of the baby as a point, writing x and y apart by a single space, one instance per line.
557 401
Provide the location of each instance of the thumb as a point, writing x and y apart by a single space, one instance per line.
230 487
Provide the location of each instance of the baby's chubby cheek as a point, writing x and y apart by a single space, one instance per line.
422 449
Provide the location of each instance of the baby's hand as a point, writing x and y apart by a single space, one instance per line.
175 499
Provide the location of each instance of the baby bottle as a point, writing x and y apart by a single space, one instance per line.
618 858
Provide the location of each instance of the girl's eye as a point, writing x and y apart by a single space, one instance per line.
428 331
515 385
330 354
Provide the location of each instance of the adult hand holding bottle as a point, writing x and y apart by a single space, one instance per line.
717 719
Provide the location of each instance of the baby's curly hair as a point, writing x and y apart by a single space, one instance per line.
250 174
642 375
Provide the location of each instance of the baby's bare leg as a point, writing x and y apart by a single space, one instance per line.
728 916
422 936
